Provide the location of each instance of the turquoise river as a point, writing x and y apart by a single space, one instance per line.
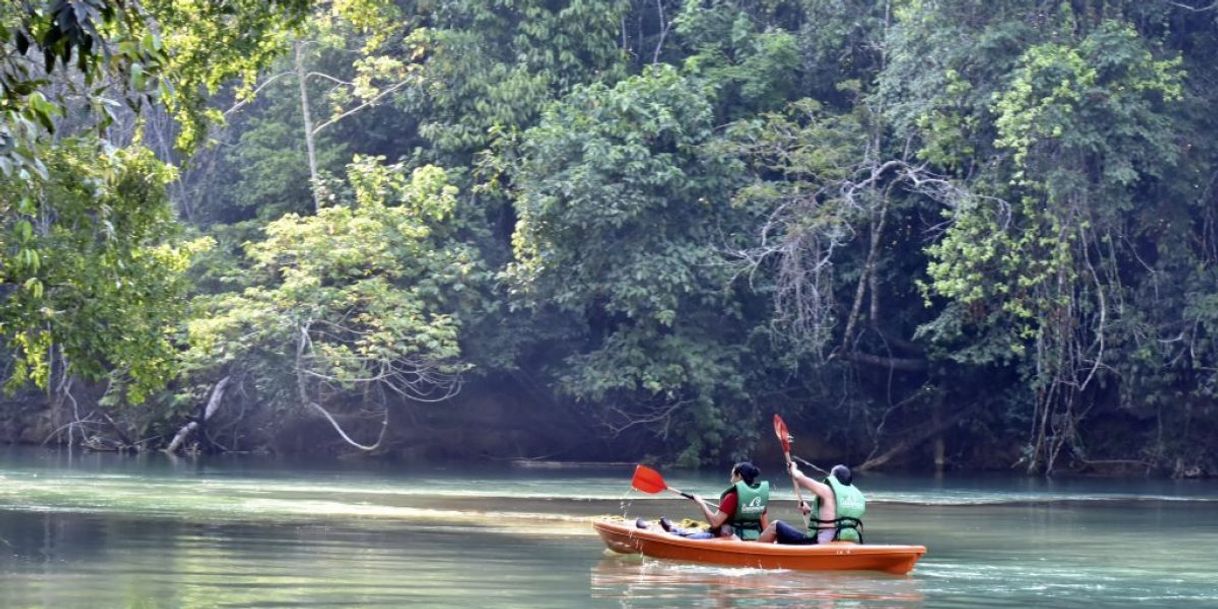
101 531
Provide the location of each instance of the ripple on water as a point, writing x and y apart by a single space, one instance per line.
73 539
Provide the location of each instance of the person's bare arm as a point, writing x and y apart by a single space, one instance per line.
715 519
820 489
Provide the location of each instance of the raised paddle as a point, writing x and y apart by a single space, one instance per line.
650 481
780 430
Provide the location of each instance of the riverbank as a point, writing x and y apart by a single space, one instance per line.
493 423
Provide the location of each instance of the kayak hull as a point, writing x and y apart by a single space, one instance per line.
624 538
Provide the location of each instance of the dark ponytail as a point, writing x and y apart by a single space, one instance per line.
747 471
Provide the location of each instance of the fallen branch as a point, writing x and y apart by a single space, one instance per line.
217 394
122 436
907 364
913 440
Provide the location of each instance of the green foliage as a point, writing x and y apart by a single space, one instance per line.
1080 99
210 43
619 217
755 68
97 38
600 168
1044 263
92 270
266 174
799 160
1070 109
91 274
677 215
492 67
369 293
166 49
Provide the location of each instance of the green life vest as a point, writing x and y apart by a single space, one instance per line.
850 508
751 503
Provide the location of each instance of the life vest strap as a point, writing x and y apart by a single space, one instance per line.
839 524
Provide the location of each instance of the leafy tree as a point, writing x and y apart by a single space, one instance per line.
493 66
621 222
365 297
98 236
1087 126
753 66
119 50
93 271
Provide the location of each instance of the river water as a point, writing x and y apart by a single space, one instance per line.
102 531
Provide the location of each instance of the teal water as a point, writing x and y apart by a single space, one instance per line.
147 532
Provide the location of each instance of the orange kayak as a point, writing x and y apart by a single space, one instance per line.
625 538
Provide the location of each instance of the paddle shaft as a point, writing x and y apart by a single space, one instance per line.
689 496
784 440
798 495
811 465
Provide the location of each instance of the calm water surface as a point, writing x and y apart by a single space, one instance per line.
104 531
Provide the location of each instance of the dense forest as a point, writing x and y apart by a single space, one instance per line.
939 233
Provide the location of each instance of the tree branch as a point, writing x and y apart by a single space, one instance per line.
330 78
217 394
906 364
370 102
913 438
664 27
301 346
1194 9
254 94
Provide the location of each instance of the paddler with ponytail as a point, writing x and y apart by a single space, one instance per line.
742 507
836 516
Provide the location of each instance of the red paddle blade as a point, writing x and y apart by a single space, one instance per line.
648 480
780 430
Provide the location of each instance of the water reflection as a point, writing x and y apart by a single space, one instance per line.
108 532
638 583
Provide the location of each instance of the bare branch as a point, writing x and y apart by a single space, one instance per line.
347 438
665 25
907 364
325 76
370 102
254 94
1194 9
217 394
658 414
912 438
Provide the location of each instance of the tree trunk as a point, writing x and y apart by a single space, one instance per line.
217 394
940 445
310 146
877 230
